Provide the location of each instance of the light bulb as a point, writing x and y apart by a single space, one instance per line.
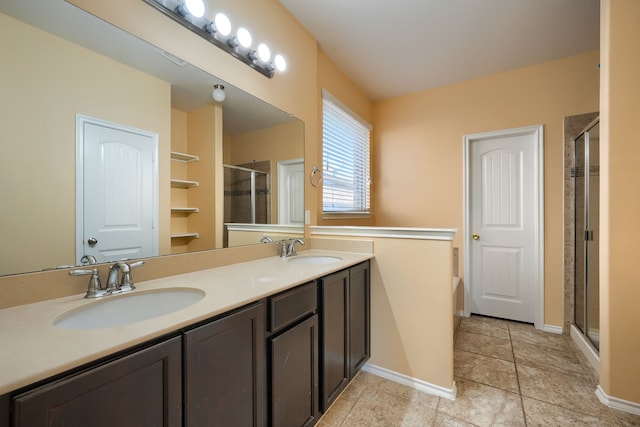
220 27
223 25
194 8
243 36
263 53
280 63
218 93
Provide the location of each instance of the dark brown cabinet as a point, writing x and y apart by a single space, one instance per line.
279 362
293 355
141 389
344 329
225 378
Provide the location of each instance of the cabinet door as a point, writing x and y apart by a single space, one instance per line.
294 376
225 380
142 389
359 317
334 336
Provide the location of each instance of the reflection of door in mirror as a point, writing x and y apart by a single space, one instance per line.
117 191
291 192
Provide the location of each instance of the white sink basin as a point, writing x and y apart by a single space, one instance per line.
124 309
315 259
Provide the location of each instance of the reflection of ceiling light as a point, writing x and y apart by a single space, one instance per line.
218 31
218 93
194 8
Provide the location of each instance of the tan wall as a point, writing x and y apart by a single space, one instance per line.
276 143
418 165
45 82
620 199
411 307
331 78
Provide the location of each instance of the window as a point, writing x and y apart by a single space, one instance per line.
345 159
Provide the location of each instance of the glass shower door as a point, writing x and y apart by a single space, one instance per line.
587 231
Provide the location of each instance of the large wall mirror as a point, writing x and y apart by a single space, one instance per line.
100 129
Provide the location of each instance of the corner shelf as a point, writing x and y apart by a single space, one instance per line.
185 210
181 183
184 157
186 235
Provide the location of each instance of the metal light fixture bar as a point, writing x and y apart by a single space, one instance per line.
173 14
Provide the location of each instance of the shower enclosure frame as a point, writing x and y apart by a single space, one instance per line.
586 237
253 193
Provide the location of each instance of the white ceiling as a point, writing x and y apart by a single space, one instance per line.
395 47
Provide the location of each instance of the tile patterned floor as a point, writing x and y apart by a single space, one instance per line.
507 374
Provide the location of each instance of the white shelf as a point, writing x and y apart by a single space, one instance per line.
185 210
181 183
186 235
183 157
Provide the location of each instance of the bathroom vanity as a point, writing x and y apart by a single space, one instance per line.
275 352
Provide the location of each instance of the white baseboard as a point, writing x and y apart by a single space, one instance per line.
615 403
553 329
589 352
412 382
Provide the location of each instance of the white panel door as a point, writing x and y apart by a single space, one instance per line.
119 192
503 227
291 192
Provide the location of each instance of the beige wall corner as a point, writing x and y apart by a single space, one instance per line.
620 199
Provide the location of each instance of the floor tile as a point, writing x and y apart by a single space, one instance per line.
528 334
482 344
568 390
541 414
486 370
483 405
586 365
626 419
379 409
443 420
545 358
489 327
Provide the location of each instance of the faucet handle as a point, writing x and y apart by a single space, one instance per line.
284 247
292 246
127 279
94 290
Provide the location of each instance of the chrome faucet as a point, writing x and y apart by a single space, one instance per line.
288 247
88 259
119 279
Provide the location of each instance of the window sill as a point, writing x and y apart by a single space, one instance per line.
347 215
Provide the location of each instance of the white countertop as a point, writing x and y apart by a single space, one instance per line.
32 349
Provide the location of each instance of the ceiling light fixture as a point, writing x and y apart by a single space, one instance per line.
218 93
190 14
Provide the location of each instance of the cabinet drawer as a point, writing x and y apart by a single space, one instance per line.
292 305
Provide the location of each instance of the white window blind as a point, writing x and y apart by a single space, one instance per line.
345 159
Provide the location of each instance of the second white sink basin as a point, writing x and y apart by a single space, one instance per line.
314 259
117 310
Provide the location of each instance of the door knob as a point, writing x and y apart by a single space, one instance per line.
475 236
92 241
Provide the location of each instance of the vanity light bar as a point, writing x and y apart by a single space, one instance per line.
190 14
